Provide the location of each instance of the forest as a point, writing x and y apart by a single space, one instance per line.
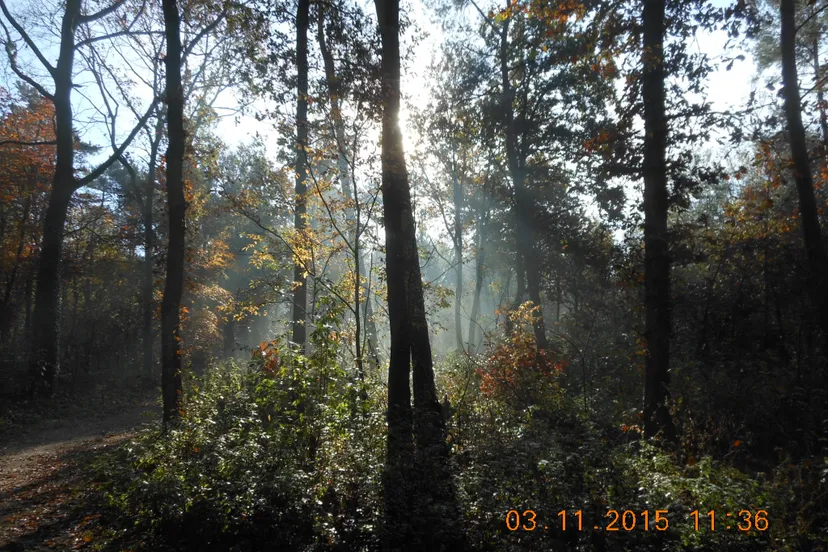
431 275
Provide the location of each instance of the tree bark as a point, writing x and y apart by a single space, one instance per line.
421 508
398 533
300 280
177 206
656 256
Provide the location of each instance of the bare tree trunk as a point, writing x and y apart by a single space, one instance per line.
420 514
27 321
300 280
479 259
808 214
177 206
398 490
656 257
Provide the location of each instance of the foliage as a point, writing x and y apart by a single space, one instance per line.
271 453
515 370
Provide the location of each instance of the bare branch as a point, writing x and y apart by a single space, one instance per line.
29 42
9 44
91 40
209 28
83 19
23 143
120 151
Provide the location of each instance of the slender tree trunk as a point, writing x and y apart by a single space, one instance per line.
656 257
808 213
820 94
421 511
45 363
27 321
177 206
479 266
149 253
457 239
526 263
300 280
347 183
229 337
8 311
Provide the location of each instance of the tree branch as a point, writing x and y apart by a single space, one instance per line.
118 152
88 41
83 19
17 71
29 42
23 143
209 28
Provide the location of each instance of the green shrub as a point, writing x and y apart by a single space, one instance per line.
269 455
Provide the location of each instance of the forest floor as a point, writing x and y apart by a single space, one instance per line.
47 500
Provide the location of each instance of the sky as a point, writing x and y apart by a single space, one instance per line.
727 89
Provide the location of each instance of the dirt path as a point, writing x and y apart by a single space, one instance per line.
43 488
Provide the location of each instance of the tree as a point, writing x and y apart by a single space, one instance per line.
45 362
336 90
26 170
656 245
300 279
435 510
171 387
812 233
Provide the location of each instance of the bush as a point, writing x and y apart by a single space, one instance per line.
551 455
272 454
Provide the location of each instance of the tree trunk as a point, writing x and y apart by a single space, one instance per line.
149 251
45 364
300 280
229 337
656 256
528 276
820 92
346 184
808 213
8 310
397 487
177 206
457 239
27 320
479 260
421 509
